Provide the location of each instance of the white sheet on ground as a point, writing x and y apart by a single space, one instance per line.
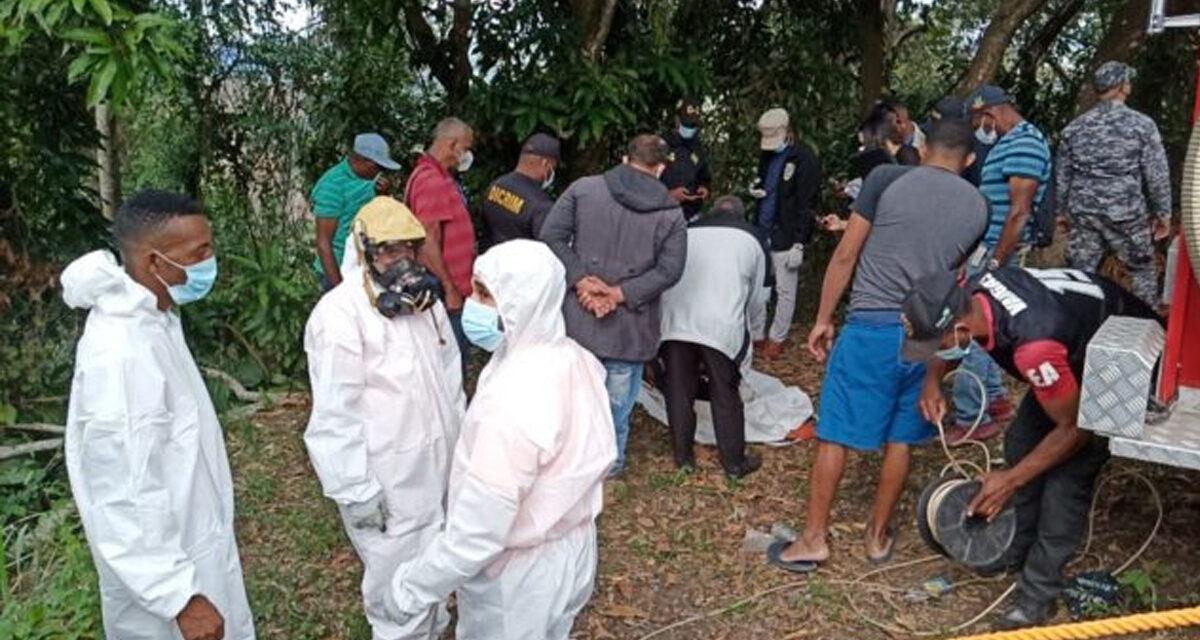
772 409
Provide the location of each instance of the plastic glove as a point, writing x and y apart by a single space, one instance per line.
372 514
391 607
795 257
757 190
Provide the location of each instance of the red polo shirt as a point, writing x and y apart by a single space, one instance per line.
434 196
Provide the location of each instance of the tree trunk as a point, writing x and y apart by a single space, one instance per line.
1125 32
1033 54
999 34
108 160
448 60
871 38
594 18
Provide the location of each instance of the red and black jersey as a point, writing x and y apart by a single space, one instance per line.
1043 319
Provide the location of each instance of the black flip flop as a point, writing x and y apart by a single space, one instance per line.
886 557
794 566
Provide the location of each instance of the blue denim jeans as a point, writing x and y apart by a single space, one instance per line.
966 390
978 362
623 383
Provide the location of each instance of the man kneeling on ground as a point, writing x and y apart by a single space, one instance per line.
1036 325
527 482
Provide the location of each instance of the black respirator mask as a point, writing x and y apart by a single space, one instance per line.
408 287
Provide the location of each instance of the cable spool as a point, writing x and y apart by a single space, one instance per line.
948 529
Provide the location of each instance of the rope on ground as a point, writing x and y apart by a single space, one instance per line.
1113 626
1137 623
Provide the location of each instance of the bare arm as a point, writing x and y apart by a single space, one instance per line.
326 229
1063 441
1021 192
431 255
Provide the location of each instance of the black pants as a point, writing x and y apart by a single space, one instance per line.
1052 510
683 364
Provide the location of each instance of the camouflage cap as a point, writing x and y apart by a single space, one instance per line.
1112 74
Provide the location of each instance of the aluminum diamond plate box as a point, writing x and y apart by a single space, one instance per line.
1175 442
1117 376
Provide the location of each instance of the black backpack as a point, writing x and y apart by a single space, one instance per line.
1044 214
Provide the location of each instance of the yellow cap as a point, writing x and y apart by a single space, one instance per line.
385 219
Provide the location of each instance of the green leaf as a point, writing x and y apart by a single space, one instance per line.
102 9
78 6
152 20
8 414
98 89
91 36
79 66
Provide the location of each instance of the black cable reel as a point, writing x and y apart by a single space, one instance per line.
948 529
943 517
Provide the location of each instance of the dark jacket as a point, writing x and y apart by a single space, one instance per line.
688 168
624 228
795 213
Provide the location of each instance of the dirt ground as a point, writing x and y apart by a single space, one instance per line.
671 545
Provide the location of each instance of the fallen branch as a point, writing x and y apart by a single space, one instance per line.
240 392
30 447
39 427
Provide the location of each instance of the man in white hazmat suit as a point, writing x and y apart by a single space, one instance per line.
387 406
145 452
526 487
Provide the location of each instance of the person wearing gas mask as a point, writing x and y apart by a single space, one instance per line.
145 453
387 402
516 204
687 176
435 197
526 486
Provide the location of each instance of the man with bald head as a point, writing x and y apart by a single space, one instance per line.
435 198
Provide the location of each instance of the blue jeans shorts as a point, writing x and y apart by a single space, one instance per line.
870 393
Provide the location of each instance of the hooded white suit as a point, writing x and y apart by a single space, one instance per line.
526 487
387 407
147 462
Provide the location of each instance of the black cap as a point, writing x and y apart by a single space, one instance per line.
949 108
689 112
541 144
929 311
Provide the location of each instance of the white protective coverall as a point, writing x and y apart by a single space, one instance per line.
387 407
526 487
147 462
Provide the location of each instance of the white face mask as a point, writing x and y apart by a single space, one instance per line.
985 137
549 180
465 161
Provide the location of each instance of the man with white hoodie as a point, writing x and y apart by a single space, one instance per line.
387 405
145 453
519 544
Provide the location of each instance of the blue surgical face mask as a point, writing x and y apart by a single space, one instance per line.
200 279
955 353
481 323
687 133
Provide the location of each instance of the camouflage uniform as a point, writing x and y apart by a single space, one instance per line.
1105 158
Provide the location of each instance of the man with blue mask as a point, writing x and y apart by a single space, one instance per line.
687 175
145 452
526 487
789 179
1036 324
387 402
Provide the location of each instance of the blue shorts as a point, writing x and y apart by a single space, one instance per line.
870 394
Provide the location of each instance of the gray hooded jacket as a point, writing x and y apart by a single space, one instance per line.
624 228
